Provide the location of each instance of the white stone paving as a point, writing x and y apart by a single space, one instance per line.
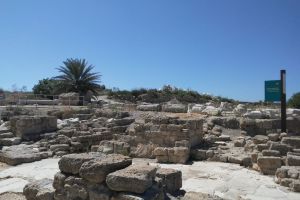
231 181
226 180
13 179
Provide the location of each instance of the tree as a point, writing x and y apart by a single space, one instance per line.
47 86
77 76
294 101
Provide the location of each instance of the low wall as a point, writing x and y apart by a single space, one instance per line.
31 127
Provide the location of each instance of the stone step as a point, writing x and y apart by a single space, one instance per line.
10 141
4 130
6 135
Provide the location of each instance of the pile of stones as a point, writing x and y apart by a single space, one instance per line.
108 177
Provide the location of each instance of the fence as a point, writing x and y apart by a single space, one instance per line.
42 100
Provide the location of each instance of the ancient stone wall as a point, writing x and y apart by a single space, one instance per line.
31 127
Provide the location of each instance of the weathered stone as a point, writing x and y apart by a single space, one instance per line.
71 163
293 160
286 182
10 141
269 165
6 135
149 107
59 147
295 185
175 108
198 154
235 159
59 181
154 193
291 141
76 188
18 154
274 137
39 190
136 178
260 139
97 192
171 179
240 142
282 173
31 127
282 148
254 157
271 153
261 147
95 171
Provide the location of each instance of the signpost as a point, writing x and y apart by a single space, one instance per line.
283 100
275 91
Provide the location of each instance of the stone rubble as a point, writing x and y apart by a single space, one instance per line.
100 176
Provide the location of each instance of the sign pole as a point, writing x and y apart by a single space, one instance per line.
283 100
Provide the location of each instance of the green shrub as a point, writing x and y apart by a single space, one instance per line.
166 94
294 101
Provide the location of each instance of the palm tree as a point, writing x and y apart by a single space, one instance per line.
77 76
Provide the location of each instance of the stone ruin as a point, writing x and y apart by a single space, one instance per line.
225 134
96 176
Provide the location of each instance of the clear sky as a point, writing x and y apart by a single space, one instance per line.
222 47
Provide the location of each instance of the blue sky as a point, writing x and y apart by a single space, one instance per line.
227 47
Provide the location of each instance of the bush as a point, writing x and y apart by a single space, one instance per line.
160 96
294 101
47 87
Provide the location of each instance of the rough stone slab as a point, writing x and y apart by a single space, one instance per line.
269 165
95 171
291 141
6 135
59 147
260 139
153 193
135 178
198 154
171 179
10 141
71 163
296 186
18 154
39 190
31 127
282 148
4 129
97 192
271 153
293 160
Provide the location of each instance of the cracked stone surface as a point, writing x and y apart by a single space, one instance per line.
13 179
226 180
230 181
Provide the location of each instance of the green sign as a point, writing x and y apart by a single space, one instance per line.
273 90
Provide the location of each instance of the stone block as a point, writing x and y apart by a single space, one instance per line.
269 165
171 179
293 160
95 171
31 127
135 178
39 190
